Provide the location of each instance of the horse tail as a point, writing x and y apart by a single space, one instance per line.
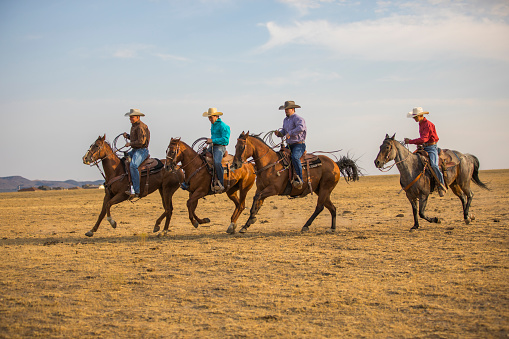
475 175
349 168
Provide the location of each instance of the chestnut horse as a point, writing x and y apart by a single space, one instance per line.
273 177
199 179
117 183
417 182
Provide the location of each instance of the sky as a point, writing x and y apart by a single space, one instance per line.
69 70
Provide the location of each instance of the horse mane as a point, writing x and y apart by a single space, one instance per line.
257 136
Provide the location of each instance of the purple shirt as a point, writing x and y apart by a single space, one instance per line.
295 127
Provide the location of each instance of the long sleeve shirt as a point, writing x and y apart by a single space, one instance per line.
428 133
140 135
295 127
220 133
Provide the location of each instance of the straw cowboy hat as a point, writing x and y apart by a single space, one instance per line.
133 112
416 112
289 104
212 111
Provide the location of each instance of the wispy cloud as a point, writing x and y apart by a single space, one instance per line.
303 6
135 51
399 37
297 78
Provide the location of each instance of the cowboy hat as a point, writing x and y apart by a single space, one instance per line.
133 112
416 112
289 104
212 111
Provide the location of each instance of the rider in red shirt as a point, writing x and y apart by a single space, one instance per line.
428 139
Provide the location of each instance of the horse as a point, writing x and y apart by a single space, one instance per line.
199 180
117 182
273 177
416 178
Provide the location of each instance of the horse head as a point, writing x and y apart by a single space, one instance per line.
387 152
173 154
97 151
241 151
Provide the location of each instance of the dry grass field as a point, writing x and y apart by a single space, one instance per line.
371 279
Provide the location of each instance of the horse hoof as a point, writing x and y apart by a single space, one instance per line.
206 220
304 229
468 220
156 228
112 222
89 234
472 217
231 228
414 228
243 230
438 221
330 230
195 224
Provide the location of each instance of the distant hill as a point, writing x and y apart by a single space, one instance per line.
11 184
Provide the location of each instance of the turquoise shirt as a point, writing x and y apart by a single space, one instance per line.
220 133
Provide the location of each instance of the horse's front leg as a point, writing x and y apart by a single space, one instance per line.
423 201
192 203
413 203
106 210
258 200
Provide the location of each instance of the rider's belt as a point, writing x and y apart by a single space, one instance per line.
426 144
297 143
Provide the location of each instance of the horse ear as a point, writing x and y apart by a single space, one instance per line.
103 137
247 133
387 136
393 136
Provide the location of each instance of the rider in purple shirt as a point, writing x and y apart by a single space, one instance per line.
294 130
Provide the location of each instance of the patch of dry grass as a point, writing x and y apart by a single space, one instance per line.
372 278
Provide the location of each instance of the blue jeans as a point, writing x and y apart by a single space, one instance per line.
433 158
218 152
297 151
137 157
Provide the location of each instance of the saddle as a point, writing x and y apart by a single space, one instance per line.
227 160
153 165
308 162
306 158
447 160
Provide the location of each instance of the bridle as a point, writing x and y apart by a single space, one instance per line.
386 160
253 161
172 155
98 160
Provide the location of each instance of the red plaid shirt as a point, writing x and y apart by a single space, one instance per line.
428 133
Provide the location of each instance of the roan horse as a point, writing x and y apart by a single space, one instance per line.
117 182
199 179
416 180
273 177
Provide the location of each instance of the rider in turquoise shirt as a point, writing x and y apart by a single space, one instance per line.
220 137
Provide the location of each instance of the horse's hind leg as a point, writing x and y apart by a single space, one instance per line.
323 200
466 196
236 213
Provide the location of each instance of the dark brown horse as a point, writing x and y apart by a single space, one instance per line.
117 183
273 177
417 181
199 179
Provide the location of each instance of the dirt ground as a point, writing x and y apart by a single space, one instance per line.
371 279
